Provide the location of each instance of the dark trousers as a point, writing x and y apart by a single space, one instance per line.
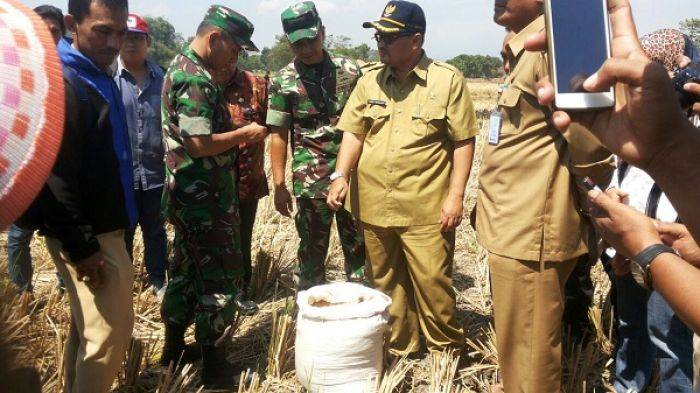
649 331
19 259
248 211
579 298
155 242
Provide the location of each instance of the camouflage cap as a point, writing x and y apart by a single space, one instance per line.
301 21
237 25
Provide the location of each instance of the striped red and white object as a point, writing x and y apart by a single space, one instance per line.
31 107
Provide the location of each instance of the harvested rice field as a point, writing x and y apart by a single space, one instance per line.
264 343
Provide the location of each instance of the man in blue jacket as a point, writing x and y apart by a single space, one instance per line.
88 201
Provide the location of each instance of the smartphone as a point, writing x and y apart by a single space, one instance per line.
586 184
578 33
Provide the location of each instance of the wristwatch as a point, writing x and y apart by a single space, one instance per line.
641 264
336 175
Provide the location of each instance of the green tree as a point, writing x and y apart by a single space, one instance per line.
279 55
166 42
254 62
342 46
691 27
478 66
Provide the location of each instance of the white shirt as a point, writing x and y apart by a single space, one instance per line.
638 184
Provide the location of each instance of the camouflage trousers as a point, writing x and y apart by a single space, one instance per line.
313 222
206 276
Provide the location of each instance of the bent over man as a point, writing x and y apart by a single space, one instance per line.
201 196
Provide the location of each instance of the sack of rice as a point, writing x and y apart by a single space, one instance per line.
340 338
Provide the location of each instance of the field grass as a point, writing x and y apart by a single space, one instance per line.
264 342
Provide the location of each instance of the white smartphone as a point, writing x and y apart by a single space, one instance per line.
578 33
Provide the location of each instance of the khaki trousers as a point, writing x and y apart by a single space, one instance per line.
413 265
528 305
101 320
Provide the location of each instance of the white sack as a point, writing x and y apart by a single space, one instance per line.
340 337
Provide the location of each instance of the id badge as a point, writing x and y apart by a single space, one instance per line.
495 123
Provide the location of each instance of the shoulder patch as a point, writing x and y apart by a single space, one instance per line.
448 66
371 66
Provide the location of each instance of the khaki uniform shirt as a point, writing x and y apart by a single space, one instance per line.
528 203
404 171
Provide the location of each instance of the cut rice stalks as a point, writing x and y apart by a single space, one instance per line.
280 355
442 372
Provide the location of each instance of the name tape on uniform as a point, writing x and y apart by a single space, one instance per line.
377 102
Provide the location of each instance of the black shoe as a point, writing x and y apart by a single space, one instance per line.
217 372
247 307
174 349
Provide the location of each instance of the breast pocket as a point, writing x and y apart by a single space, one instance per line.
512 116
376 117
429 120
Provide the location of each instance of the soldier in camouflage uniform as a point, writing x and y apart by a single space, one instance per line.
201 195
306 100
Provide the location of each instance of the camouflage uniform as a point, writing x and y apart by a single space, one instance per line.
308 101
201 202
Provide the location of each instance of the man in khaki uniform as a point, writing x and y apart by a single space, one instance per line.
528 212
411 124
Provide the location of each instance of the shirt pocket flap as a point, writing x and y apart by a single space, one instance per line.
429 113
509 98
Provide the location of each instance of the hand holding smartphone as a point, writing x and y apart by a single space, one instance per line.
579 43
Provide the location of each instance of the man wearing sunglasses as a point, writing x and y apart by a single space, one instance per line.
306 100
411 124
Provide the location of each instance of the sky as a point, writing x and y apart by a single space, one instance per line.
454 26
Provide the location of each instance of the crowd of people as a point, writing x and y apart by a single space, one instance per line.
386 149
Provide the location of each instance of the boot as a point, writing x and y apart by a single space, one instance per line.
174 349
217 372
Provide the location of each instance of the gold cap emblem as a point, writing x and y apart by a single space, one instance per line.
390 9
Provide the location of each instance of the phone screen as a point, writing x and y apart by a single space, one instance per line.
580 41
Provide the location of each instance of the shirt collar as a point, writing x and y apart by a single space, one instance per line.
327 68
420 70
72 57
517 43
121 69
238 78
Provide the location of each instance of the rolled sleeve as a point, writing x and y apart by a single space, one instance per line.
588 157
600 172
352 119
194 126
195 105
277 118
461 119
279 112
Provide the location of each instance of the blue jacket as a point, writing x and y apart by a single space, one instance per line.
104 84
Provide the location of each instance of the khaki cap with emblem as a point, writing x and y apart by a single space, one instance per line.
237 25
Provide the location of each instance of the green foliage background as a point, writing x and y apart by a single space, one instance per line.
167 43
